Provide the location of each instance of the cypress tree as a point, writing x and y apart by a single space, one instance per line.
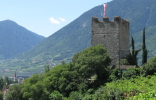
132 58
144 50
133 47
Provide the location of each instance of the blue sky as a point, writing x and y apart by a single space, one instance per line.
45 17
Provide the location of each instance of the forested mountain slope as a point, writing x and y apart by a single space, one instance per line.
77 35
15 39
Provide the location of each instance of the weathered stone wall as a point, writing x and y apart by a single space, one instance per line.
109 33
124 38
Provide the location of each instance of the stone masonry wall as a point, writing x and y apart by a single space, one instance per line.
114 35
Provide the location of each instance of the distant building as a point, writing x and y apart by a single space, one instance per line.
21 79
18 79
114 35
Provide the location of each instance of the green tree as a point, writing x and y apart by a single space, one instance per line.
14 92
1 95
47 68
35 88
93 61
76 75
132 73
75 95
1 83
144 50
133 47
55 95
114 75
63 79
149 68
132 58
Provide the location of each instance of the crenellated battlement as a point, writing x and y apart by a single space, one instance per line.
106 19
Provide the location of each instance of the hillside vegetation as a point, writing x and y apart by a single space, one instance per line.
88 77
77 35
15 39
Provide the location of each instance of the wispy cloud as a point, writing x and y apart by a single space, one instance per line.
62 19
57 21
54 21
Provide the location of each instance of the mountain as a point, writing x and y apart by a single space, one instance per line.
150 33
15 39
76 36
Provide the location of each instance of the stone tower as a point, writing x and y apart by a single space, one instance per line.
114 35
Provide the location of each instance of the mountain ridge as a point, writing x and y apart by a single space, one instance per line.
76 36
16 39
76 32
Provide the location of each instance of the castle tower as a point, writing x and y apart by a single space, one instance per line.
114 35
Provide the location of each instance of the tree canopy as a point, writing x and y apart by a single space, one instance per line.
86 77
150 67
88 69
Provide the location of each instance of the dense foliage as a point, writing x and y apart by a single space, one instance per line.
4 82
132 73
150 67
88 77
86 72
128 89
76 36
1 96
132 58
14 93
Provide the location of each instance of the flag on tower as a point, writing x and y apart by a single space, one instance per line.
105 8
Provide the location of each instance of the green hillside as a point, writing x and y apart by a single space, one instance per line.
150 41
15 39
77 35
87 77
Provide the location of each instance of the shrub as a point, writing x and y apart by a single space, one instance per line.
132 73
56 96
1 96
114 75
150 67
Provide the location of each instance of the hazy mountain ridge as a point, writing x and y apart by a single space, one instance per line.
77 35
15 39
150 33
140 13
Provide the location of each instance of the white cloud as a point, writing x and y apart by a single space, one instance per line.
62 19
54 21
